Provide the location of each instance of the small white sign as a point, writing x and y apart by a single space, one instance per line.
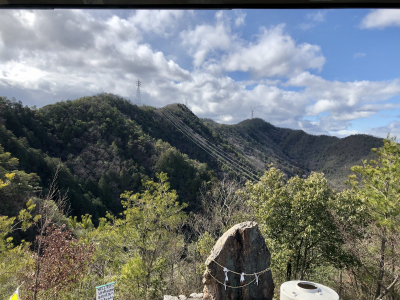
105 292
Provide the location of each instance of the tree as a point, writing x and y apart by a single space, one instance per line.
221 208
186 175
151 220
13 258
377 183
19 188
138 250
63 263
51 211
295 217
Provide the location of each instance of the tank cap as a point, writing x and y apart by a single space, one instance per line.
308 287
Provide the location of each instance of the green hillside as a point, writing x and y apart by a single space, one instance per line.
296 152
107 145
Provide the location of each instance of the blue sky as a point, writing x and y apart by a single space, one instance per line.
333 72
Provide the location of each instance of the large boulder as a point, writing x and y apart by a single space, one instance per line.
241 249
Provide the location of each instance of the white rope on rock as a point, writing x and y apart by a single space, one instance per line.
226 270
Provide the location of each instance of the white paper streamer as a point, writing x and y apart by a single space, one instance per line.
256 278
242 277
226 274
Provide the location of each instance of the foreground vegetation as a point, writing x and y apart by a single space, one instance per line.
91 191
348 240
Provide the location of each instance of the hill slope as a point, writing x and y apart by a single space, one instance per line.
107 145
297 152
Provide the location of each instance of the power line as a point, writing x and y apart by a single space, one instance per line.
216 147
194 141
185 133
218 151
208 147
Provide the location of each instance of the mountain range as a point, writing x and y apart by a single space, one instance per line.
107 145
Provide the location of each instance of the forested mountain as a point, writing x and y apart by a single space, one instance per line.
107 146
296 152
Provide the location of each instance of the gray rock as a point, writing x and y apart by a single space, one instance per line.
182 297
168 297
198 296
241 249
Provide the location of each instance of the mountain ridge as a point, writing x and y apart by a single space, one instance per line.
322 153
108 145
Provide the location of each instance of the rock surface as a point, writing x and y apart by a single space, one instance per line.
196 296
193 296
241 249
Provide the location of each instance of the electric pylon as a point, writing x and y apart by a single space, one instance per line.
252 114
138 97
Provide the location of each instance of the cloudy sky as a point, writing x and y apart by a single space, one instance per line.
334 72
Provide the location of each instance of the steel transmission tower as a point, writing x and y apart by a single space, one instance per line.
252 114
138 97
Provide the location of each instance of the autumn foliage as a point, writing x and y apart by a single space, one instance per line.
62 262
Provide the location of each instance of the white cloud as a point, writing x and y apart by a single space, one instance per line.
344 133
306 26
381 18
359 54
224 100
318 16
70 52
158 21
274 54
393 128
343 100
207 38
315 18
240 16
226 118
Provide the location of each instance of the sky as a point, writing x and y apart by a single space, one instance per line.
331 71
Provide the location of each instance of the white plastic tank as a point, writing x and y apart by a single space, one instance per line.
306 290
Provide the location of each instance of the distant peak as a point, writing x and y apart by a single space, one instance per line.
254 121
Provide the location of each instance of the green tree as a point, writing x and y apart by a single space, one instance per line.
138 249
150 222
377 184
186 175
13 258
15 194
295 217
